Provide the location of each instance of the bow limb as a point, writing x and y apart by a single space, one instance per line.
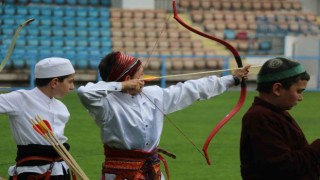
13 43
243 84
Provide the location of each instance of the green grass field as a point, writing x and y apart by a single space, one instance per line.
196 122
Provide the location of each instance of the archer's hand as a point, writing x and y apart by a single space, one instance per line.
242 73
133 86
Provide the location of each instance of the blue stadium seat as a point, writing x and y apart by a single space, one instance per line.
33 31
104 12
93 12
45 52
94 63
70 22
70 12
17 61
58 11
229 34
82 32
46 21
105 23
70 32
265 45
94 22
70 42
21 41
94 42
33 41
60 2
9 9
46 11
105 3
7 30
45 42
45 31
82 42
35 1
58 31
58 22
56 51
81 22
106 43
105 32
58 42
94 2
82 12
34 11
8 20
22 10
71 2
94 32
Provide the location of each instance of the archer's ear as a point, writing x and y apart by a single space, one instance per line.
127 78
276 89
54 82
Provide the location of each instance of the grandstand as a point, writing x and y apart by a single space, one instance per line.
84 31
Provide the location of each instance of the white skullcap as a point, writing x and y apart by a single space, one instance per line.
53 67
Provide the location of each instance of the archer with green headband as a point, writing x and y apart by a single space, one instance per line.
273 145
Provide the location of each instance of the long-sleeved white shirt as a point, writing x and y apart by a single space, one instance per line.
136 122
23 105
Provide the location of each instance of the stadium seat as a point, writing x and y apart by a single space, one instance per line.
70 12
46 21
81 32
94 42
58 31
9 21
57 42
22 10
94 32
45 41
32 31
21 42
45 31
34 11
33 41
70 32
229 34
82 42
71 2
17 61
9 10
58 22
46 11
70 42
70 22
58 11
81 22
82 12
104 13
94 22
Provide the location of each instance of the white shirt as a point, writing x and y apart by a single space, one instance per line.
23 105
135 122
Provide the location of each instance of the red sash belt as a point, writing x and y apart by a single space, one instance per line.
134 164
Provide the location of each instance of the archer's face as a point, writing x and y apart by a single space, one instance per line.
289 97
62 88
139 74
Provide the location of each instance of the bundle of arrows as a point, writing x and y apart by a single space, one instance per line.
43 127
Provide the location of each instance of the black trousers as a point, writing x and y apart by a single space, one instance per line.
24 176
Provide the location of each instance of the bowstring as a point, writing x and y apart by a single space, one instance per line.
166 116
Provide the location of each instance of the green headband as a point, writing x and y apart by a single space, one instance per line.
281 75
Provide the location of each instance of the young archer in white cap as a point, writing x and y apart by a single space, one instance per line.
36 159
128 115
